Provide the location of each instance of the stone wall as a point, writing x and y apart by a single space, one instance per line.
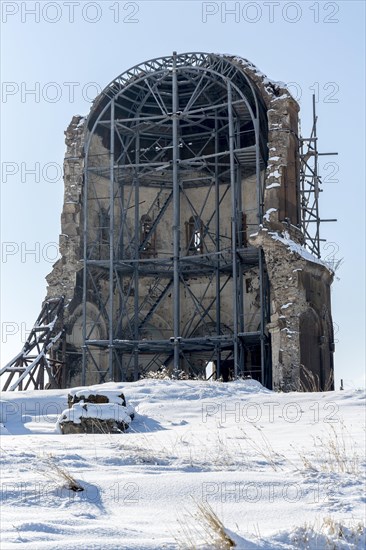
62 281
300 286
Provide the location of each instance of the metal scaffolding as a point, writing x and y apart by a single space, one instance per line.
310 188
40 364
171 126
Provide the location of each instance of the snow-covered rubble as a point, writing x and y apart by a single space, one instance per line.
94 410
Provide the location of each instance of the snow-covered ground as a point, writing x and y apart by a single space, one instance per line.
280 471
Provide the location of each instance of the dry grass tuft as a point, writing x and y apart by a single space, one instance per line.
311 383
59 474
262 447
204 530
335 452
330 534
214 527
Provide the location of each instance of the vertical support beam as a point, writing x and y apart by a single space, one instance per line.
301 186
136 268
316 181
176 215
85 267
64 376
233 225
111 246
262 306
218 246
260 252
258 170
239 211
121 251
40 377
268 358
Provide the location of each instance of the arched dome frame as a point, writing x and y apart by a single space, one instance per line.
243 104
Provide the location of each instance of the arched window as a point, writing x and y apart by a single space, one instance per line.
103 234
243 241
311 373
194 235
147 240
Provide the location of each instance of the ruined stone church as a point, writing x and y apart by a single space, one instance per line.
189 235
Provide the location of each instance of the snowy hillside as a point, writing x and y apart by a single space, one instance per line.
279 471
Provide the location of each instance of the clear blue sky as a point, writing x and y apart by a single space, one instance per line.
66 51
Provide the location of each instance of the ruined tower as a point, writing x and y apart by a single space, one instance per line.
189 233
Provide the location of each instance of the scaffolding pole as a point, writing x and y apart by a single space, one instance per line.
176 216
111 245
233 187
